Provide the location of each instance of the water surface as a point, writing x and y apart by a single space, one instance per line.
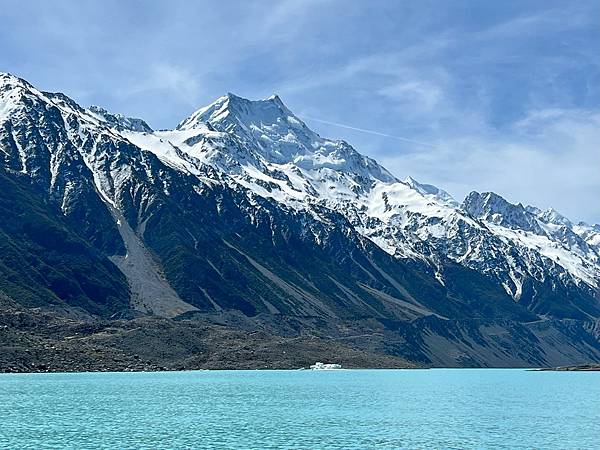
460 408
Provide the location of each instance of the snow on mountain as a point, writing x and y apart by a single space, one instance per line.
494 209
262 148
119 121
269 129
22 107
431 191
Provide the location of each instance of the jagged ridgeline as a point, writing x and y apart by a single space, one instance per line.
243 208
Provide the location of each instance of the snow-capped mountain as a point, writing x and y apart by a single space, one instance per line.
264 147
243 207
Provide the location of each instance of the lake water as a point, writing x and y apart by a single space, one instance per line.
460 408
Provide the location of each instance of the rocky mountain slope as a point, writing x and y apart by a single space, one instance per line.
242 209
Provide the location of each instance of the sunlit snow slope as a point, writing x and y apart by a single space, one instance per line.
261 145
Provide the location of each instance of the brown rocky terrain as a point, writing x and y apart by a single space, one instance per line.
579 368
37 340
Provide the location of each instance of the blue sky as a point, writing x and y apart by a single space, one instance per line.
501 96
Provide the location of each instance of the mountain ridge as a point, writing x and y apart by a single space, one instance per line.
242 207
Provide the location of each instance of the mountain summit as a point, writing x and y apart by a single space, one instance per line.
269 130
242 209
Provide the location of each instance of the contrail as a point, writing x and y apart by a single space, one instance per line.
377 133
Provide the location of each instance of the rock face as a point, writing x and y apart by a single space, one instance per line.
242 208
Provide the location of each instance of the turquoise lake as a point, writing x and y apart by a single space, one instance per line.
428 409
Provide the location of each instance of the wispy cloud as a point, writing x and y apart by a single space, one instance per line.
166 79
421 95
551 159
373 132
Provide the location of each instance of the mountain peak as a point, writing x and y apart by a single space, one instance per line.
7 79
275 99
119 121
267 128
267 125
429 190
13 92
496 209
12 87
240 110
551 215
481 204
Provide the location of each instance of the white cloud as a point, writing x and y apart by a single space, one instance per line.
421 95
549 158
168 79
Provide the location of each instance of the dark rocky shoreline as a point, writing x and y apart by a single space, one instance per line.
42 341
56 339
578 368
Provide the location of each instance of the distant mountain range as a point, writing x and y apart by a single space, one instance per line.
243 211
